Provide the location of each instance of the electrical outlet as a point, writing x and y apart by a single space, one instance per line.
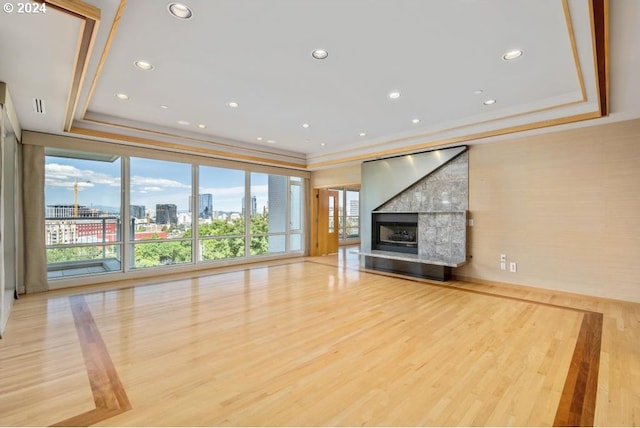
503 257
470 222
503 266
513 267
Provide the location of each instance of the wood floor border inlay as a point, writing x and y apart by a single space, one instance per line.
109 395
578 400
576 406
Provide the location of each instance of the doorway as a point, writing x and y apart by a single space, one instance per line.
325 222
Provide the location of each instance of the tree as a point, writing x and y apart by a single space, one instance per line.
226 240
61 255
222 248
259 226
157 253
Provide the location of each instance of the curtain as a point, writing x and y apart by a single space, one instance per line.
35 254
19 220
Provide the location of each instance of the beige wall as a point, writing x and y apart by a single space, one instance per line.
340 176
565 206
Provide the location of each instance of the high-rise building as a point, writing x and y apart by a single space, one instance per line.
354 208
254 205
166 214
137 211
277 208
205 205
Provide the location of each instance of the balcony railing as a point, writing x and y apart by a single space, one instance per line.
82 245
352 229
82 230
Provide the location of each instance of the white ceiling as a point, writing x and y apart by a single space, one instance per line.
435 53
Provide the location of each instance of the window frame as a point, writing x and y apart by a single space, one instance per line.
52 268
343 238
126 242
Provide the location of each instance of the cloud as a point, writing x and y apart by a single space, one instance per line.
157 184
150 190
58 175
220 192
55 170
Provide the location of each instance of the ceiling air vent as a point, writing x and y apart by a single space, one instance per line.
38 106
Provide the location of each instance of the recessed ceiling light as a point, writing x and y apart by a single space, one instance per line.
233 104
512 55
319 54
201 126
363 134
394 95
180 10
478 91
415 120
184 122
122 96
143 65
489 102
305 125
259 138
164 106
271 141
323 144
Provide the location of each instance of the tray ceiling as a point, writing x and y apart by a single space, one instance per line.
443 58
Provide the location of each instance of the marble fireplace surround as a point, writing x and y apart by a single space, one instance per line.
441 240
438 194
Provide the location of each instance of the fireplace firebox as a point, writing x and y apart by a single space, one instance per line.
395 232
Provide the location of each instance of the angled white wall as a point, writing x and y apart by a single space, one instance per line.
385 178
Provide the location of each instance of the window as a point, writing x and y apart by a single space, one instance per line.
352 214
82 213
297 214
268 213
221 213
231 213
160 198
349 214
277 212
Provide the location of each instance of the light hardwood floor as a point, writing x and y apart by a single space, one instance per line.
317 341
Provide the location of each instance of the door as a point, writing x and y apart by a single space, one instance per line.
327 221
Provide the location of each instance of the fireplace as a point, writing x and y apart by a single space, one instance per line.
395 232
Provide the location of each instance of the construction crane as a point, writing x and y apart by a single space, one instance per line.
75 197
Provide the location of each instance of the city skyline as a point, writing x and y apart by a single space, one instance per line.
98 184
205 205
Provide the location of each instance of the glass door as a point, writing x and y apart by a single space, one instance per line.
349 213
8 253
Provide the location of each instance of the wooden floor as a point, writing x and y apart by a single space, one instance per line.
317 341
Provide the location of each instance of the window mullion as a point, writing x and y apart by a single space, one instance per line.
127 249
247 213
195 213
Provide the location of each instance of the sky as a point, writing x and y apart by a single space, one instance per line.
152 182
